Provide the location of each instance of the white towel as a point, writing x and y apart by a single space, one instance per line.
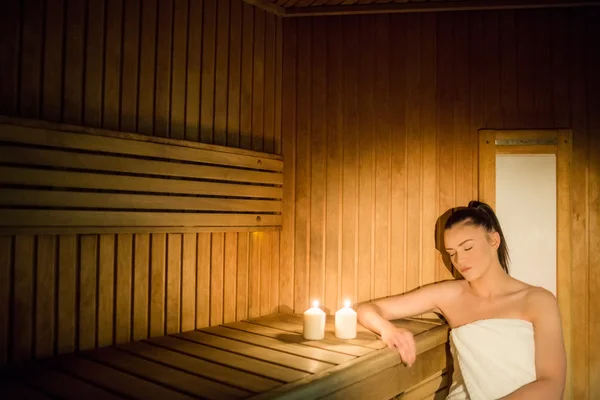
492 358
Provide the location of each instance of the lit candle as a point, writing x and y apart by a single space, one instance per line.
314 323
345 322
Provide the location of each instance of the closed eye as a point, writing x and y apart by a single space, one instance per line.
468 249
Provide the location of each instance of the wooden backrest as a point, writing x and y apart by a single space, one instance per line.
58 178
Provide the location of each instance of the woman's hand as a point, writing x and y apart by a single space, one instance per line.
403 342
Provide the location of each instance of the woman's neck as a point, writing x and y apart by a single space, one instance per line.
494 282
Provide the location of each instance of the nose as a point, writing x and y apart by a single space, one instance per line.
460 257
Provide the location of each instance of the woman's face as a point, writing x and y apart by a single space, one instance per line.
472 249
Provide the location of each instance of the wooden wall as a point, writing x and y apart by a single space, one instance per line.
380 119
185 69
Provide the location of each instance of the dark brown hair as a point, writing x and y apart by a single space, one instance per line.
481 214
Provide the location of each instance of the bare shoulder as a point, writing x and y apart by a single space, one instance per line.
540 302
448 288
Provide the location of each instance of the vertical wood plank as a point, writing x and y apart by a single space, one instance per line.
350 161
216 278
334 137
576 102
543 78
258 80
234 78
446 129
382 142
145 122
245 140
188 282
123 288
303 135
487 167
565 293
173 294
269 83
67 284
429 179
178 83
398 85
207 99
162 99
414 165
74 63
278 86
157 284
194 62
476 88
265 274
44 295
129 91
366 183
464 145
243 258
288 121
23 299
31 58
106 289
53 58
141 285
112 65
525 69
317 160
508 70
254 248
491 71
203 280
94 63
274 274
593 201
88 273
221 73
6 264
10 44
230 277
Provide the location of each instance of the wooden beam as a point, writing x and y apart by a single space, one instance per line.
267 6
458 5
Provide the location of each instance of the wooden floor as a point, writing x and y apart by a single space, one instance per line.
259 358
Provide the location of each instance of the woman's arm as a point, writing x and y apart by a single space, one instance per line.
377 314
550 355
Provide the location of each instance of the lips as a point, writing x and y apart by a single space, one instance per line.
462 271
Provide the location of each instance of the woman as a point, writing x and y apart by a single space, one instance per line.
506 336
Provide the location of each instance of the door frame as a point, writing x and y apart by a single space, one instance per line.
539 141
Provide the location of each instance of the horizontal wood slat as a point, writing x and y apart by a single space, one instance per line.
133 144
70 180
58 218
86 180
29 197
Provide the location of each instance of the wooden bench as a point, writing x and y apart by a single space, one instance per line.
262 358
69 179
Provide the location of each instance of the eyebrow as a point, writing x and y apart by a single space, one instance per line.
463 242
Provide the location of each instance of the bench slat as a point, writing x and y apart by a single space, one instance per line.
110 163
217 372
67 199
90 180
69 140
58 218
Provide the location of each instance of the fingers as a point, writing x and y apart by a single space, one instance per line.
403 342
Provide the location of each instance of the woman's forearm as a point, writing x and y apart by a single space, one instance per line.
370 317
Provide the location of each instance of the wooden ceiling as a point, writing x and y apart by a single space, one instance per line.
302 8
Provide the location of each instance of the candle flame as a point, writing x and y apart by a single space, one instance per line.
316 304
347 303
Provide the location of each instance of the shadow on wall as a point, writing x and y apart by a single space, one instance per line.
440 245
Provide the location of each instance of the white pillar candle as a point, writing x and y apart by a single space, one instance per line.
314 323
345 322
